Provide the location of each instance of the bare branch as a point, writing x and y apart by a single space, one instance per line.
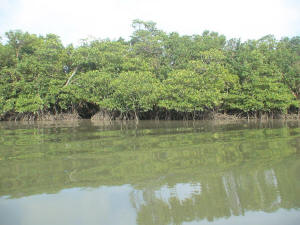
72 75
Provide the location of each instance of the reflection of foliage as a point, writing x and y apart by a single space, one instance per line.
244 168
233 192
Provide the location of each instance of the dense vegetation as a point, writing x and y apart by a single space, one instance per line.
153 75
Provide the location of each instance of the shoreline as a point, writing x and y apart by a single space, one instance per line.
110 117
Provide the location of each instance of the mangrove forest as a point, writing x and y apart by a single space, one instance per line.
151 75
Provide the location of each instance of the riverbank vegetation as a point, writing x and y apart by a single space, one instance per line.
153 75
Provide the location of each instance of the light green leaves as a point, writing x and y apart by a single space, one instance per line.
137 92
152 72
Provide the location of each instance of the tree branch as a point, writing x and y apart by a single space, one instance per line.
72 75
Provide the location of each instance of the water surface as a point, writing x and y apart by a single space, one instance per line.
151 173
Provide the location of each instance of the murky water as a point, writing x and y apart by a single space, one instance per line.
150 173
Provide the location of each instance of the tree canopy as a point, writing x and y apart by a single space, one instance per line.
153 74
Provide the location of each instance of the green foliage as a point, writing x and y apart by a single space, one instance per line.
203 88
28 103
152 70
135 92
95 87
261 94
185 91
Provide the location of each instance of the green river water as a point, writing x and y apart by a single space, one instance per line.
166 172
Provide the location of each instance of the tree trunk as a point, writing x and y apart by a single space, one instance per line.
136 117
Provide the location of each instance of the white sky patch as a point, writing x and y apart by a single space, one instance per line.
76 19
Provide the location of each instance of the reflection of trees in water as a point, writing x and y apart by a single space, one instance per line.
40 165
233 192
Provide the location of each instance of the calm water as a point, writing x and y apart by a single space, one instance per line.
154 173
